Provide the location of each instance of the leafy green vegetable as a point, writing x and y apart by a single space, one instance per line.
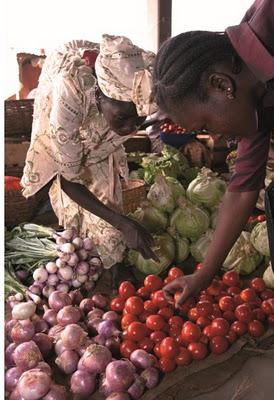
150 217
199 249
268 277
182 249
259 238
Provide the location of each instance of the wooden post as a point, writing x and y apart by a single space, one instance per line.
159 22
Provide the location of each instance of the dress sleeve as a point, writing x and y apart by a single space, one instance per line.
250 164
65 120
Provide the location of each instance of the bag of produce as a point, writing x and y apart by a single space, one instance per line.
259 238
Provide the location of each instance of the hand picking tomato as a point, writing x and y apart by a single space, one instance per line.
198 350
184 357
134 305
126 290
169 348
155 322
231 278
190 332
136 331
220 327
153 283
219 344
214 288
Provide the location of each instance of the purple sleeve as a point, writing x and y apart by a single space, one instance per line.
250 164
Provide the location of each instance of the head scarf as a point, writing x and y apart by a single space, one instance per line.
124 72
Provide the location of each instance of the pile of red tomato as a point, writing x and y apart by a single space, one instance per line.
169 127
209 323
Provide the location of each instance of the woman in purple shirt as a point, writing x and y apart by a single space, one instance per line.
223 83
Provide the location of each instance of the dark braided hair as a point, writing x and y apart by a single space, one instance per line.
182 61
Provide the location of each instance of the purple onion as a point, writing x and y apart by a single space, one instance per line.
56 392
9 352
15 395
40 325
108 328
44 342
96 358
22 331
119 375
35 289
8 327
77 242
141 359
34 384
88 244
82 383
67 361
92 325
82 268
50 316
82 254
151 377
76 297
43 366
63 287
95 313
111 315
55 332
59 347
58 300
73 336
27 355
86 305
99 339
104 386
52 280
83 348
12 376
137 388
100 300
68 315
113 344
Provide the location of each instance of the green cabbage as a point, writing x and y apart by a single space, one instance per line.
150 217
268 277
213 217
182 249
243 257
207 189
165 192
164 248
199 249
259 238
189 220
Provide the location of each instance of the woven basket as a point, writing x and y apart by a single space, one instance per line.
18 209
18 117
133 194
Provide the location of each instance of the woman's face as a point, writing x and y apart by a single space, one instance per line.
223 113
121 116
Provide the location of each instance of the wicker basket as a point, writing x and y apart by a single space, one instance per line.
18 209
133 194
18 117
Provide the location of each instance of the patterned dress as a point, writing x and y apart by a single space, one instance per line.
70 137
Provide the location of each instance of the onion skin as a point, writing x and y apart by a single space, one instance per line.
15 395
68 315
100 301
40 325
111 315
44 342
96 358
43 366
119 375
76 297
8 327
56 392
95 313
113 344
23 310
151 377
141 359
83 383
9 360
137 388
50 316
73 336
22 331
27 355
67 361
59 347
34 384
118 396
92 325
55 332
12 376
58 300
88 244
86 305
108 328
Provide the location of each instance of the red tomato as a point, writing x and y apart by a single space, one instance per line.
155 322
261 218
166 312
184 357
219 344
206 297
238 300
258 314
156 350
167 280
175 331
229 316
144 315
217 313
169 348
189 303
203 321
231 336
214 288
258 285
226 303
239 327
204 339
176 320
197 350
193 314
158 298
267 294
127 319
268 306
231 278
233 290
127 347
167 364
150 306
126 290
243 313
136 331
270 319
134 305
153 283
117 304
220 327
204 308
248 295
146 344
255 328
207 331
199 266
157 336
175 272
190 332
143 292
